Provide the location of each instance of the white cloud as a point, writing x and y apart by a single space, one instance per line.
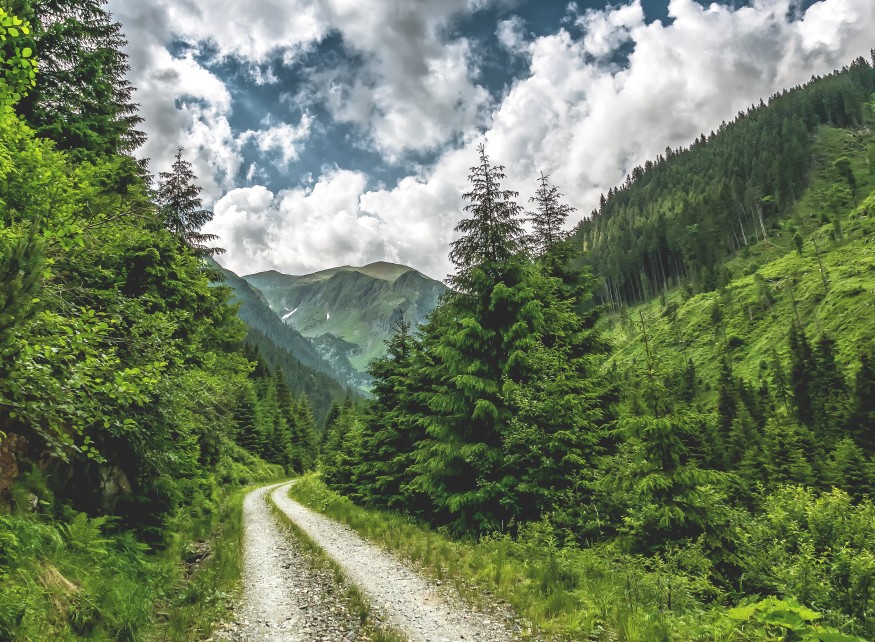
608 29
417 89
511 35
285 139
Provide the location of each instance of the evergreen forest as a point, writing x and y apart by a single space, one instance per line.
668 412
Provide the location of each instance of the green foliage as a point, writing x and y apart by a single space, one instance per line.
774 619
17 63
816 548
83 101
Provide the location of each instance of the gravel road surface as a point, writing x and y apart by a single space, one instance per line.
287 597
408 601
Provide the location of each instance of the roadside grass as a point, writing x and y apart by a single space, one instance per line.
67 576
375 630
559 592
205 591
205 553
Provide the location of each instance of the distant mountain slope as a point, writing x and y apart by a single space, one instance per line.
349 312
284 348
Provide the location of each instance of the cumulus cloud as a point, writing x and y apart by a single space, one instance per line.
416 89
577 114
606 30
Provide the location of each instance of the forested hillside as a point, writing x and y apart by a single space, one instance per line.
699 466
679 217
129 410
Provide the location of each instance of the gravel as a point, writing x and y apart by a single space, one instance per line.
287 596
406 600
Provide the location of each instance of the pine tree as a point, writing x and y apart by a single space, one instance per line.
305 442
246 419
180 203
861 424
671 496
284 424
390 427
802 368
784 455
493 235
830 402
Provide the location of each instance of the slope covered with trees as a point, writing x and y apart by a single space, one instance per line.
676 219
713 443
128 406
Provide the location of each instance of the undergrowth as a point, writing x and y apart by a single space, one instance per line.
66 575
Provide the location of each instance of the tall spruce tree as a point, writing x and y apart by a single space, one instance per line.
180 202
861 424
493 235
802 369
511 412
82 100
390 426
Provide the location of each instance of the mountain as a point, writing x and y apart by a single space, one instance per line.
286 349
347 311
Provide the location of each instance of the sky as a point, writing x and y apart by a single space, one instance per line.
341 132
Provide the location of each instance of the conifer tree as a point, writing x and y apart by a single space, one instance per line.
246 418
304 439
512 401
492 237
82 101
548 217
390 427
861 424
284 421
802 368
671 495
830 394
180 202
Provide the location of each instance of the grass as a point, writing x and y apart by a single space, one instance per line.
205 591
67 576
559 592
355 600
